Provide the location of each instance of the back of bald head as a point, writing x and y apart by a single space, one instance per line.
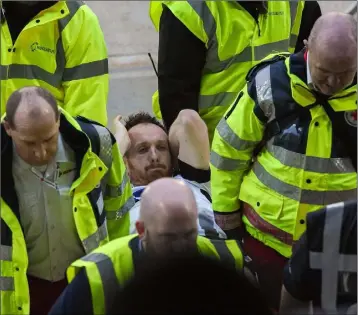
334 33
167 196
33 102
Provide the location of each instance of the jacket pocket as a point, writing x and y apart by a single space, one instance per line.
264 201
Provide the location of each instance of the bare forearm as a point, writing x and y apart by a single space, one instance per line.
121 135
189 140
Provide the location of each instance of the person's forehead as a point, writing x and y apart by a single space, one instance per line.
175 221
333 65
29 129
36 134
147 133
36 108
336 49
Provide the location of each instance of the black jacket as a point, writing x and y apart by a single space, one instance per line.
303 281
182 57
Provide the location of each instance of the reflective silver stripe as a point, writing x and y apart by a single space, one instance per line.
263 51
3 72
100 203
330 261
293 13
86 70
209 23
264 92
73 7
6 253
293 40
225 255
227 164
219 99
116 191
109 278
208 225
228 135
216 65
310 163
213 63
7 284
118 214
249 54
347 263
313 197
105 151
32 72
93 241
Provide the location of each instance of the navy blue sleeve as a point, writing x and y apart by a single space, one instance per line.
302 282
181 59
76 298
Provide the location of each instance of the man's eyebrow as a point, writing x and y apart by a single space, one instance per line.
48 138
329 71
193 230
140 143
163 141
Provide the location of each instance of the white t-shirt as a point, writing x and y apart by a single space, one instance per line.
206 221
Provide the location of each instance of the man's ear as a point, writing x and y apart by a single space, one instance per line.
58 123
126 163
139 225
305 42
7 127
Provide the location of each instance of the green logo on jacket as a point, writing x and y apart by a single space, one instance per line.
35 46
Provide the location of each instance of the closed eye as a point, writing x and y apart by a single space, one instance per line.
49 139
142 150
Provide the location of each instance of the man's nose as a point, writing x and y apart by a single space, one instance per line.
333 80
154 154
41 152
181 245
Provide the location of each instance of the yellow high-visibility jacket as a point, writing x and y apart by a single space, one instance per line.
104 218
300 169
62 50
113 264
235 42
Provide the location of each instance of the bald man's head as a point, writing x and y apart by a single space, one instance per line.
32 121
168 216
332 49
35 100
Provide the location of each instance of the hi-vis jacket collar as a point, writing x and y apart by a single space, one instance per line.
72 135
296 66
75 138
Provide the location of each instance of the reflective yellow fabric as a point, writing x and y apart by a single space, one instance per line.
282 186
228 60
14 288
117 200
62 50
112 265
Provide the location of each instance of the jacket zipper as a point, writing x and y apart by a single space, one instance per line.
258 27
258 22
